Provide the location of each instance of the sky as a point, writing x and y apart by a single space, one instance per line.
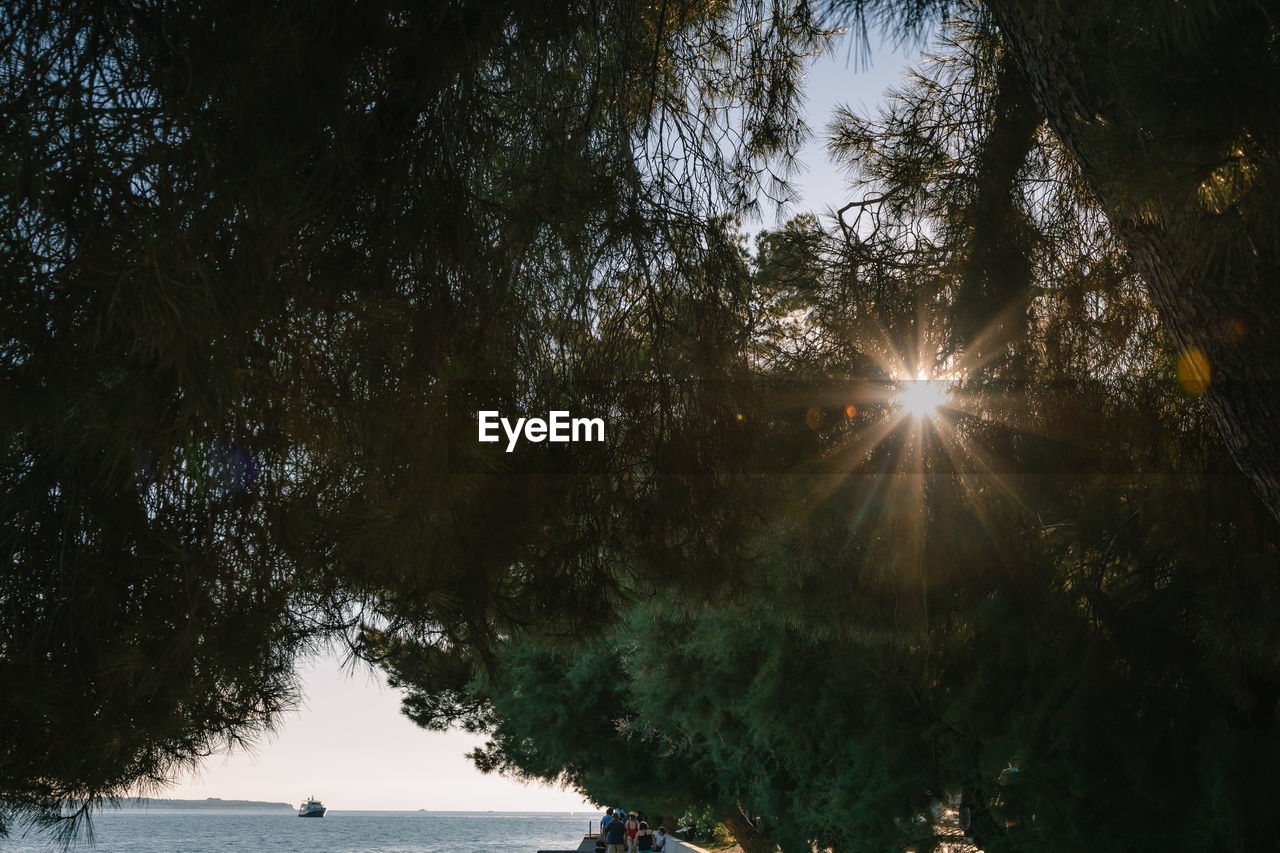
841 80
348 744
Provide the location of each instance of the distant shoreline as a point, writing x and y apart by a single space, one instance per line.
138 803
209 803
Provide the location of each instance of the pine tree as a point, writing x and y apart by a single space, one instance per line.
264 263
1041 608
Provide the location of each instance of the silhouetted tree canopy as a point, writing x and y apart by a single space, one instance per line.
1170 114
1035 619
264 263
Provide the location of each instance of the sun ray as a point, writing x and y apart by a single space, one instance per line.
975 462
930 412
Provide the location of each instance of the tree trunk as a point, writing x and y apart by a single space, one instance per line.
992 303
748 837
1173 121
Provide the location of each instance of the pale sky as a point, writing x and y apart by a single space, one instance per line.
349 745
841 79
352 748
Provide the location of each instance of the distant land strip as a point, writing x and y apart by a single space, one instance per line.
210 803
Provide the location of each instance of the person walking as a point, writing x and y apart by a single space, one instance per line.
616 835
633 827
644 838
604 823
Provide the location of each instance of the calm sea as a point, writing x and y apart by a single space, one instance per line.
232 831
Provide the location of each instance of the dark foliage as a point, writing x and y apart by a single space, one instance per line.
263 263
1036 619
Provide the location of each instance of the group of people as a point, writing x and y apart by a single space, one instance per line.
628 832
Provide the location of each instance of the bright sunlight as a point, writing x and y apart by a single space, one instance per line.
921 397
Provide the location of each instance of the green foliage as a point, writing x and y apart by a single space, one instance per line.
1038 618
706 827
264 262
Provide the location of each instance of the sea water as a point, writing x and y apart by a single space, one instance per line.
236 831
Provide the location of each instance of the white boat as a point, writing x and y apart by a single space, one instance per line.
312 808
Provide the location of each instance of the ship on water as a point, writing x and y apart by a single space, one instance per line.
312 808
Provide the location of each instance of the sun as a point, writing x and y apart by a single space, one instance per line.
921 398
